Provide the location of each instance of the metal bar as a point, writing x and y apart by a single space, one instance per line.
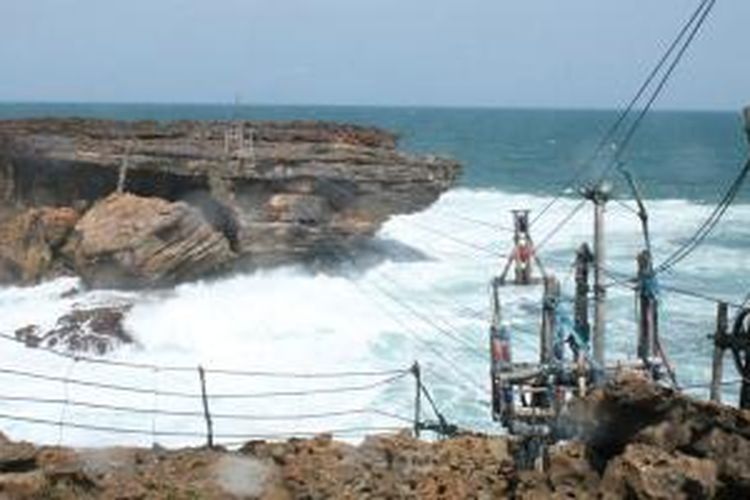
417 372
599 197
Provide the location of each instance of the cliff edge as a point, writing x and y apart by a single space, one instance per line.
141 204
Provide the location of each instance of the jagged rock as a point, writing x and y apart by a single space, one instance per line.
17 457
130 241
276 191
570 472
397 466
532 485
96 330
24 485
630 411
644 471
29 242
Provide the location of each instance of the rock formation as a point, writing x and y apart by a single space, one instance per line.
643 441
126 240
95 330
656 443
271 191
30 243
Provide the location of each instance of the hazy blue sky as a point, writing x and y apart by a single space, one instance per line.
551 53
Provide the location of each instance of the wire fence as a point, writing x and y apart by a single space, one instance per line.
345 404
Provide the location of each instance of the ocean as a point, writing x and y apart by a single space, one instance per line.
433 309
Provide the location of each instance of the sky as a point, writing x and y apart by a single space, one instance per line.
499 53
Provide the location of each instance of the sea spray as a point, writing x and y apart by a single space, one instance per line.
293 319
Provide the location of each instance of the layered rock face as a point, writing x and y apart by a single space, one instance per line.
126 240
271 191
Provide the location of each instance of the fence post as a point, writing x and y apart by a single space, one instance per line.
206 411
123 172
417 372
717 369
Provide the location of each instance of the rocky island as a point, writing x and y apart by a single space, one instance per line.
149 204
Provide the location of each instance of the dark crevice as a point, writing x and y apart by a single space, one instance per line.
56 183
19 465
59 183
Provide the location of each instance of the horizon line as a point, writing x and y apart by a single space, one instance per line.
487 107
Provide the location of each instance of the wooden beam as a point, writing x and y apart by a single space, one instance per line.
722 323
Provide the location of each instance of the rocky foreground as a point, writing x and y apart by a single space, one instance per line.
147 204
639 441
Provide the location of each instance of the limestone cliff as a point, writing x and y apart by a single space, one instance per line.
272 191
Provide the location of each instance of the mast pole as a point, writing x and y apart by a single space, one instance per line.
599 195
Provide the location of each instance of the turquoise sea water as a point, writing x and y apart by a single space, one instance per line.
436 309
675 155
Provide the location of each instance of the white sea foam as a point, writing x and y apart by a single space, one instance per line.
295 320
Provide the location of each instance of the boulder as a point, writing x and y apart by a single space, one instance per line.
96 330
131 241
644 471
630 419
29 243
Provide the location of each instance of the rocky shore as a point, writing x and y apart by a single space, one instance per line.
147 204
637 441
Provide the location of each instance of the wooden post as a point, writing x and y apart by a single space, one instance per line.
123 173
549 321
241 137
496 352
583 262
500 362
717 369
648 319
252 146
582 325
206 411
739 342
416 371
